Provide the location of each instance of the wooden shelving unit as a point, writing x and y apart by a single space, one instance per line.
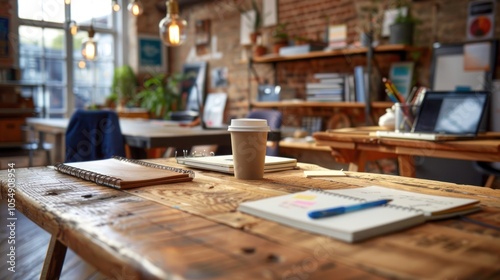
310 104
334 114
272 58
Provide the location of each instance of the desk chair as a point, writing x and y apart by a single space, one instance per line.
487 168
93 135
274 120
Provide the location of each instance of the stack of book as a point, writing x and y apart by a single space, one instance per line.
333 87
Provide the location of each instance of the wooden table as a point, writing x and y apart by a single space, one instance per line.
355 146
140 134
192 230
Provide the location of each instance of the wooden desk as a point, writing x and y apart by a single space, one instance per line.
191 230
356 146
140 134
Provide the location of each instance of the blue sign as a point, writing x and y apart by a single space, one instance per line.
150 52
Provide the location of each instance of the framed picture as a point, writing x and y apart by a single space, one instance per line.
152 56
401 75
193 88
202 36
270 13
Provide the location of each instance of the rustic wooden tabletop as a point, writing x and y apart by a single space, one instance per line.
192 230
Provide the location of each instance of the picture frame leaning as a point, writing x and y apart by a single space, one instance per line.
193 87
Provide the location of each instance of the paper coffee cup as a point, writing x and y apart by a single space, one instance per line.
248 143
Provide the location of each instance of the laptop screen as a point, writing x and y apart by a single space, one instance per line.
451 112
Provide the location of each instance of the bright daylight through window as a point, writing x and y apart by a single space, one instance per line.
50 58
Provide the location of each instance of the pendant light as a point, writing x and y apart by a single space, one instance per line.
115 5
135 7
89 46
172 27
73 27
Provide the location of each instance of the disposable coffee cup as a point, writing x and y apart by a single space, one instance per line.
248 144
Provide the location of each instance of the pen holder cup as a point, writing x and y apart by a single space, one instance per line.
405 115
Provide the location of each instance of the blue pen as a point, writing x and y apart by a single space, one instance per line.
346 209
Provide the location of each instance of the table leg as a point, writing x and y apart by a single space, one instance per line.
54 259
406 166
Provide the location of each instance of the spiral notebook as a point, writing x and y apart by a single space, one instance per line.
122 173
406 209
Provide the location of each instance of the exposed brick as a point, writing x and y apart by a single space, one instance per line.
305 18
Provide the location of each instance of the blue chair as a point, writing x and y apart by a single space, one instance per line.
274 120
93 135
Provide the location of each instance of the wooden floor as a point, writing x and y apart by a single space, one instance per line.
31 246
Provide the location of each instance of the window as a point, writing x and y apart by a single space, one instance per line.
65 80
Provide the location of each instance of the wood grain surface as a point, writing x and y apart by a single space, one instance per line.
192 230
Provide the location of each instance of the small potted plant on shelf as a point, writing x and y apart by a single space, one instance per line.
280 37
401 31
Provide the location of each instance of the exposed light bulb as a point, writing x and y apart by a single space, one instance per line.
73 28
67 2
116 7
81 64
172 27
135 7
89 46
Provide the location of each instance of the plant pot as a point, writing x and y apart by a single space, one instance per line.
259 51
401 33
278 45
365 39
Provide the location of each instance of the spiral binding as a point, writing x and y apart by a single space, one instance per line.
158 166
185 154
338 195
406 208
111 181
98 178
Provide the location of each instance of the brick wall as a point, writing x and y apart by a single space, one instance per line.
441 20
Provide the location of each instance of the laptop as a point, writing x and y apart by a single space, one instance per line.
446 116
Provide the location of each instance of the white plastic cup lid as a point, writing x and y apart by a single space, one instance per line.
249 125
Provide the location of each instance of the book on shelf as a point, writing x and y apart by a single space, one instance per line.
324 86
406 209
349 93
225 164
326 98
360 83
339 80
122 173
332 75
335 91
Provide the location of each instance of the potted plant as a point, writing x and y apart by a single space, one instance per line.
124 85
160 95
280 37
256 19
401 31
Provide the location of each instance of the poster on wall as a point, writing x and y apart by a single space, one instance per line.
151 54
270 13
202 37
246 26
219 77
481 20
